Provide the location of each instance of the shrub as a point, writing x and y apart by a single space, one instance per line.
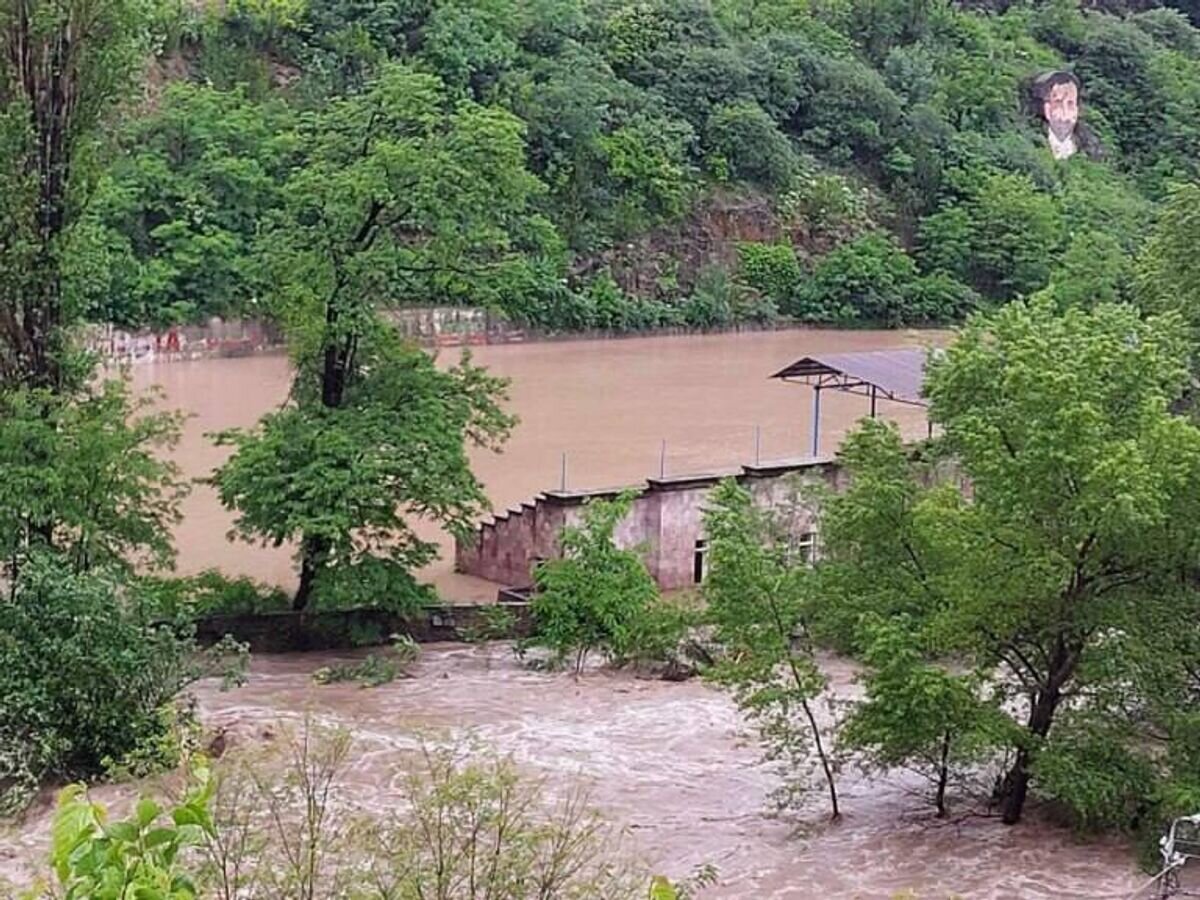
84 680
869 278
771 269
742 142
826 204
592 598
95 859
1001 238
210 593
466 826
377 668
492 623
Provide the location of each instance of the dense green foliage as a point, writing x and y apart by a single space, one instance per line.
86 683
55 93
835 118
1061 583
406 194
351 480
597 596
142 856
81 473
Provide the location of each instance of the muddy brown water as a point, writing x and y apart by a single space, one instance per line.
609 406
673 764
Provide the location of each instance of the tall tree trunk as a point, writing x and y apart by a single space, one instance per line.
336 362
1041 718
943 776
44 76
313 554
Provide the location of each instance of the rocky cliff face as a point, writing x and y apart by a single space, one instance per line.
670 258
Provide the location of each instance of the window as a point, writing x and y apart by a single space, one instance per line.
699 561
806 548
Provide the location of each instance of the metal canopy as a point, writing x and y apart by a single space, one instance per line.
891 374
896 375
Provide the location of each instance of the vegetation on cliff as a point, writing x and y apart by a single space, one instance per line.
881 153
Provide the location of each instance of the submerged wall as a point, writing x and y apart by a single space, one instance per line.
666 522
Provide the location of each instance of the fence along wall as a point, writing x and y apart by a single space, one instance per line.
666 521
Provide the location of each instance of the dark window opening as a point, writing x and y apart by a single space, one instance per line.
700 562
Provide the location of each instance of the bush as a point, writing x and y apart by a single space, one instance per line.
211 593
1090 770
827 204
771 269
869 279
1001 238
376 668
467 826
85 682
712 302
743 143
138 857
593 597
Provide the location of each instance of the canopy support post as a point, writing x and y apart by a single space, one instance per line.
816 423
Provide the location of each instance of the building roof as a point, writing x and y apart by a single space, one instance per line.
894 374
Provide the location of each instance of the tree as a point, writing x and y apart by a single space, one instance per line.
1094 269
63 63
345 482
1062 565
597 595
402 196
867 278
1000 237
918 715
183 204
78 472
756 590
1168 270
743 143
81 474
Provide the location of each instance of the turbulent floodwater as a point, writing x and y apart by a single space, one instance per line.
671 763
607 405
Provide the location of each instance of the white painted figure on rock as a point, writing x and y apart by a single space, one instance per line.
1056 99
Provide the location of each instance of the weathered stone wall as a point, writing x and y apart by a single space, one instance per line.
284 632
217 338
666 522
430 327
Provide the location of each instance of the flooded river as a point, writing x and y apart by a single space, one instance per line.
608 406
672 764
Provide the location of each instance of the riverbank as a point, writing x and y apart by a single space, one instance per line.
671 763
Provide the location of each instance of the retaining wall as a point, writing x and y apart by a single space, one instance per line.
284 632
430 327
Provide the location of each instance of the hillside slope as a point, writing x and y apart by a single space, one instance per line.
698 162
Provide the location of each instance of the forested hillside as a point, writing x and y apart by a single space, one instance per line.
674 162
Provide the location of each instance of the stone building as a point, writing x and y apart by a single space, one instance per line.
666 522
